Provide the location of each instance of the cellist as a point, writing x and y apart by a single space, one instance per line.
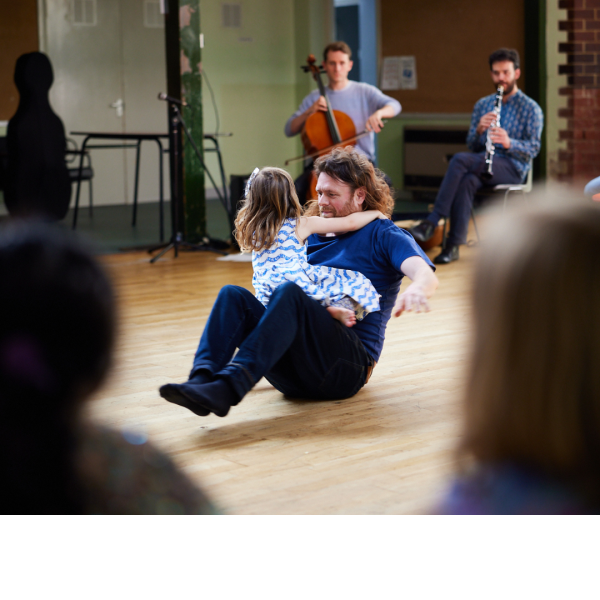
363 103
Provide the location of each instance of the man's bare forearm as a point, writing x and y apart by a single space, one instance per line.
387 112
298 122
426 279
421 275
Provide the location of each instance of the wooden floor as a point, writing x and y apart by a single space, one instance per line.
385 451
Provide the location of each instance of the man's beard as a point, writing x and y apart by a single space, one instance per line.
344 211
508 88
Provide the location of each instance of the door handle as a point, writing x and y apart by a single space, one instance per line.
118 105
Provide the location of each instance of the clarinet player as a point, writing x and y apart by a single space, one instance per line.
516 143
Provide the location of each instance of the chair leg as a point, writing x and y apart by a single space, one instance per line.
505 199
475 224
75 210
91 200
161 204
137 179
444 233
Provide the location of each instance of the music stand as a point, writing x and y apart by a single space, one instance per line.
177 242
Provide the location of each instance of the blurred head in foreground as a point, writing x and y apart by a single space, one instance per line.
532 405
56 337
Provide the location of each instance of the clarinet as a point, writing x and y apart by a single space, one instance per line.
489 145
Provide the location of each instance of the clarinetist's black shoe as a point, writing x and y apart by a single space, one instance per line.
423 231
447 255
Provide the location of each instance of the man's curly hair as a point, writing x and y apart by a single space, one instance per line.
355 170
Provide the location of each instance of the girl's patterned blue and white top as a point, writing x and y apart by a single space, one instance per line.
286 261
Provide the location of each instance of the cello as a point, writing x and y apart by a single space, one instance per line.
324 130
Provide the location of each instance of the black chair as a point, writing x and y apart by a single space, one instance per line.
87 173
507 188
3 161
487 191
36 181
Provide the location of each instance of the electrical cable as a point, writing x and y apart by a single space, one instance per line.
214 103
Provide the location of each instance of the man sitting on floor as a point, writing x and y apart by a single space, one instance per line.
294 342
517 142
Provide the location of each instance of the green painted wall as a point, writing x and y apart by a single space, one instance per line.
255 74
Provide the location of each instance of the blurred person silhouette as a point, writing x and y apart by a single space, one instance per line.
37 181
592 189
531 425
56 340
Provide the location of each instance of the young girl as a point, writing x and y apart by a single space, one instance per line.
270 224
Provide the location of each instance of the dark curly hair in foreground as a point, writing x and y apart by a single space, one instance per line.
56 338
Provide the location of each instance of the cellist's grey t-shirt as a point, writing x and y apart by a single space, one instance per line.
359 101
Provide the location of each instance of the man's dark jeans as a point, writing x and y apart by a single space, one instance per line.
295 343
461 182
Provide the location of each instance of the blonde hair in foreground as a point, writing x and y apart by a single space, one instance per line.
272 199
533 388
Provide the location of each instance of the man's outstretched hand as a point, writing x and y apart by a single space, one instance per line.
413 298
424 284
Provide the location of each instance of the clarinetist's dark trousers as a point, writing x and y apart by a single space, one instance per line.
461 182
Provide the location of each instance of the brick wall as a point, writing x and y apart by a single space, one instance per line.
581 159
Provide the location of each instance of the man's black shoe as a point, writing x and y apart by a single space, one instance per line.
449 254
216 397
174 393
423 231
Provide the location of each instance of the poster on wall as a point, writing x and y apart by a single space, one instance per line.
399 73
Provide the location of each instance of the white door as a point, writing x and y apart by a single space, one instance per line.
109 65
144 76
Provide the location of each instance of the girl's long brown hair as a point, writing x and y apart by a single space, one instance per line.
271 199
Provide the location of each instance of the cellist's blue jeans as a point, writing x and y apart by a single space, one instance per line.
295 343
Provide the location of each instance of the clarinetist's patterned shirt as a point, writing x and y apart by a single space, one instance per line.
523 120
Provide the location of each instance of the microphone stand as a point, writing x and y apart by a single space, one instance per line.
177 242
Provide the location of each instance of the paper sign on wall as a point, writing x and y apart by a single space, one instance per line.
399 73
